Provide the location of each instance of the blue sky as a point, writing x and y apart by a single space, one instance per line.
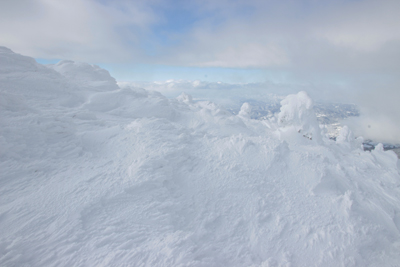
159 72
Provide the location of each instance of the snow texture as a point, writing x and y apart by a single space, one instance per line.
96 175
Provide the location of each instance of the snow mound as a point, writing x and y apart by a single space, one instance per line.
185 98
297 114
11 62
245 110
27 85
86 75
94 175
346 138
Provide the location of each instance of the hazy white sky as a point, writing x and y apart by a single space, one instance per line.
351 45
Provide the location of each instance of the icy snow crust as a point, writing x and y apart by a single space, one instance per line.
95 175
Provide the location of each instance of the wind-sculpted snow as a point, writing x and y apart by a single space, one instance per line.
126 177
86 75
297 113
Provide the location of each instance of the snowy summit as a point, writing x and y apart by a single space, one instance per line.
97 175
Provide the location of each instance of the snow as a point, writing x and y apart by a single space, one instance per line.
97 175
87 75
245 110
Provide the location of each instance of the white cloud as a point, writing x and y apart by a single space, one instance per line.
73 29
361 25
296 35
247 55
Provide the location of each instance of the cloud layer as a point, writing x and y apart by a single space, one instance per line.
314 35
89 30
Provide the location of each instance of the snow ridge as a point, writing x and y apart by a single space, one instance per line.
96 175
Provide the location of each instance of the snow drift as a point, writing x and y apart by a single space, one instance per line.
95 175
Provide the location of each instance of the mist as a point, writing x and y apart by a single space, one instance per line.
379 113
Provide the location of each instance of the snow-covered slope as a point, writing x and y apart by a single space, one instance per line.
95 175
